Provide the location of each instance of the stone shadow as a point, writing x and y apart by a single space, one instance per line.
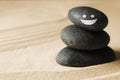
117 53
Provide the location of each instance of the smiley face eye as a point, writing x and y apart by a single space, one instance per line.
84 16
92 16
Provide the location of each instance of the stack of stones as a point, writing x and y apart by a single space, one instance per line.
86 40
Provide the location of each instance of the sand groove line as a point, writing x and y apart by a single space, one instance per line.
26 37
30 35
23 44
34 40
27 31
29 38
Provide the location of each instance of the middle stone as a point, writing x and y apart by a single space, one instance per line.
75 37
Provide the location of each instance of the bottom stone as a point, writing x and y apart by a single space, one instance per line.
80 58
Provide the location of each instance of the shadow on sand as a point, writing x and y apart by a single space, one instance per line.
117 53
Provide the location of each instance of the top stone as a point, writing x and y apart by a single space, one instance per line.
88 18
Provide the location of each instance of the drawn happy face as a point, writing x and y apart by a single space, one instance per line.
88 18
86 21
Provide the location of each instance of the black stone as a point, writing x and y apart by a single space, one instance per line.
88 18
79 58
75 37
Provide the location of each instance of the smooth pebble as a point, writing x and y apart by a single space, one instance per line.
75 37
80 58
88 18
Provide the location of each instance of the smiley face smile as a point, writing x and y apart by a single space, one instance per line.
88 18
88 22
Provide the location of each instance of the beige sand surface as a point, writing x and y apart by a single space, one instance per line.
30 40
